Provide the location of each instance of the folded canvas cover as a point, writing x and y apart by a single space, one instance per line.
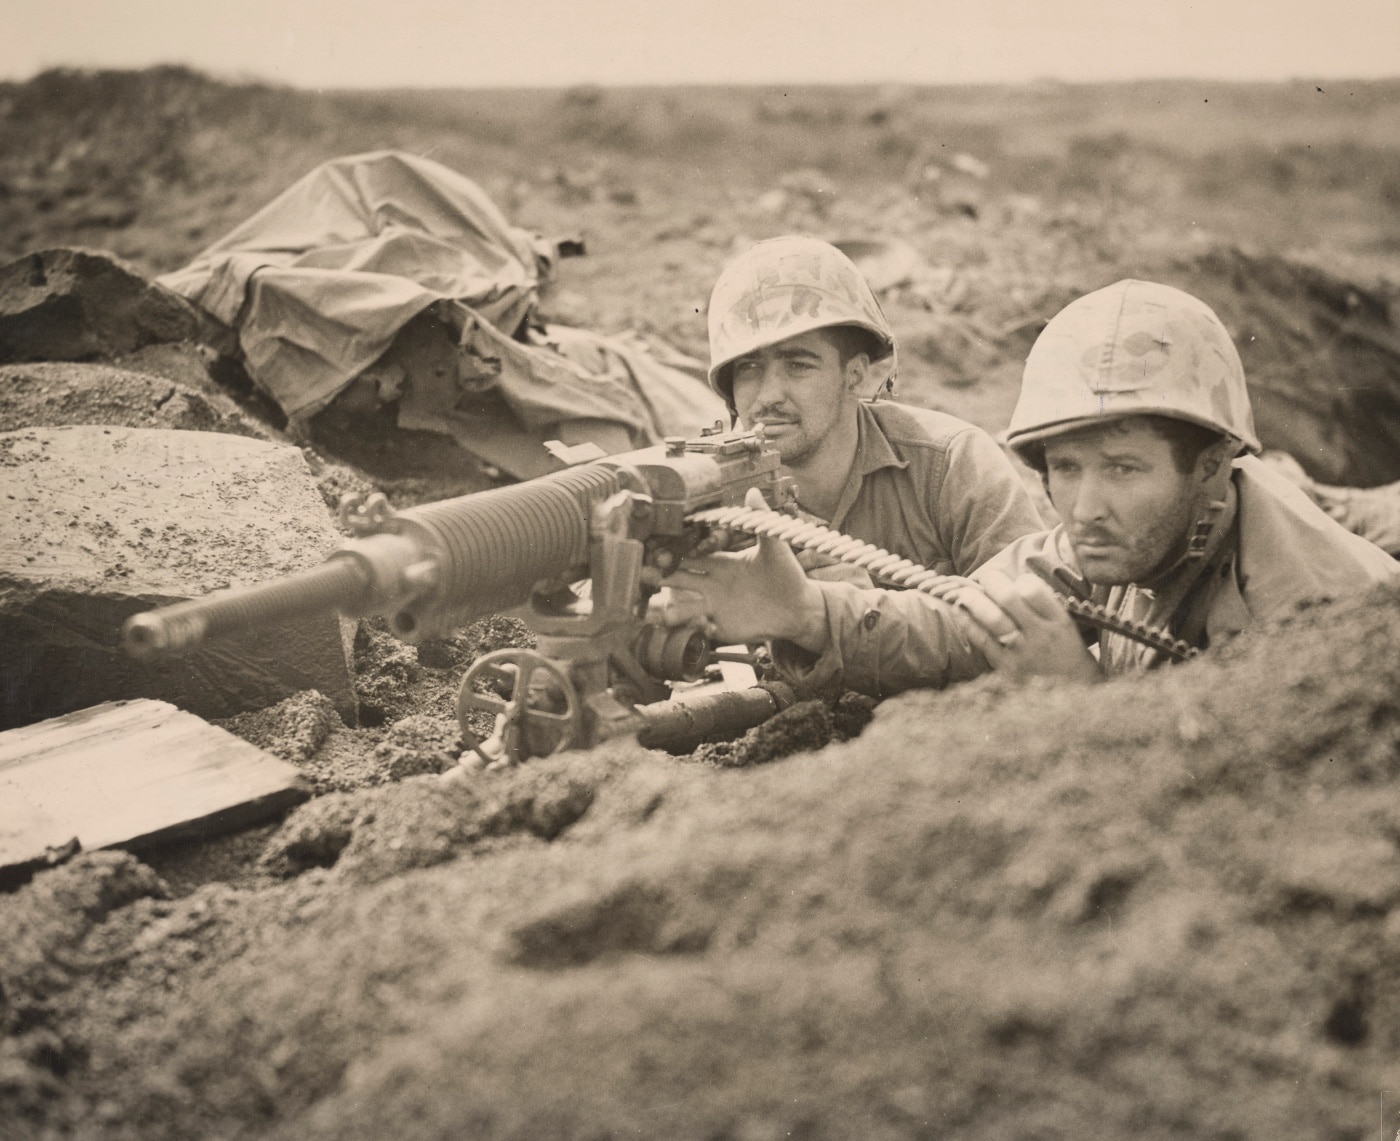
319 282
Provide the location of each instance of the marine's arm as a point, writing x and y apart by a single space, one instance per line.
827 637
1045 642
882 641
879 642
831 635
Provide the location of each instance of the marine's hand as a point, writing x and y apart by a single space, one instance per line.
754 595
1031 635
671 606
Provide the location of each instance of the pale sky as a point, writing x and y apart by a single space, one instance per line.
469 43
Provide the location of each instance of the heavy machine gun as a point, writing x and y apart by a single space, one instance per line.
600 669
619 522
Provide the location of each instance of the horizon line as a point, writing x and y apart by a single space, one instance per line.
251 78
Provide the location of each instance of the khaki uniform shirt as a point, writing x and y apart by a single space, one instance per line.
1281 550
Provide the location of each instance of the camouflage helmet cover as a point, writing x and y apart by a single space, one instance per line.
780 288
1133 348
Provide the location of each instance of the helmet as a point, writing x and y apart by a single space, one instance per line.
1131 349
780 288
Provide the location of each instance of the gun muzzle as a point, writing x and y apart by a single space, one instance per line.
340 583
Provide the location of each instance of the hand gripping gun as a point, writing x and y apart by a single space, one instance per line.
621 522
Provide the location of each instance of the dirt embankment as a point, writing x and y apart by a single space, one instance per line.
1011 202
1162 907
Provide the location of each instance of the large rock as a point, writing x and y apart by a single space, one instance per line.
103 522
68 304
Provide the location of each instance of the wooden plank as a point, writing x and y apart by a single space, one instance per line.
131 774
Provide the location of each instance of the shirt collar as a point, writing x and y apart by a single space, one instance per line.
873 448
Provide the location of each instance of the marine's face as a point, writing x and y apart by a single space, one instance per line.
1127 509
797 390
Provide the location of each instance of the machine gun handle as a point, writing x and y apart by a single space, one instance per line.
518 721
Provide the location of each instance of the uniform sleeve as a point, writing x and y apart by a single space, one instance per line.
880 643
982 505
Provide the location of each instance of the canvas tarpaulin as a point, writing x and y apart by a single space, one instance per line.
318 284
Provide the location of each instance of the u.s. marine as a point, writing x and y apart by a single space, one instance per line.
1133 407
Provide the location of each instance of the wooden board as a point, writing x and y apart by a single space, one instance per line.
130 773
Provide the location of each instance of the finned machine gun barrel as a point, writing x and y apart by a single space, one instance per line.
427 568
432 568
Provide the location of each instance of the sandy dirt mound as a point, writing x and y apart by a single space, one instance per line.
1322 355
53 393
1155 908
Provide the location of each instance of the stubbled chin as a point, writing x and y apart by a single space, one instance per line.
1102 570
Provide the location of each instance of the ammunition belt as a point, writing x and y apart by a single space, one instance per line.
895 570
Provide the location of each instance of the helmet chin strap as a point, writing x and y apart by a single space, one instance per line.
1211 499
1209 506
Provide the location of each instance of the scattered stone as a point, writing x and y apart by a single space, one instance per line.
419 744
105 522
584 926
1338 871
810 187
772 202
46 920
345 762
885 263
497 632
72 304
968 164
372 833
549 802
292 729
313 837
415 824
385 670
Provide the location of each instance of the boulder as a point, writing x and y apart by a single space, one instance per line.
70 304
107 521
